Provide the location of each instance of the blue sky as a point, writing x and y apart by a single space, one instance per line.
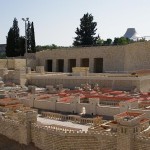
55 21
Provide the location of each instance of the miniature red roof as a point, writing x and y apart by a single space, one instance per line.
8 101
144 120
129 114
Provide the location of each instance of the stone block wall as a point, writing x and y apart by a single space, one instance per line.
110 54
72 81
46 138
108 111
12 63
137 56
126 58
32 63
10 129
57 138
3 63
3 72
141 143
40 69
17 76
115 83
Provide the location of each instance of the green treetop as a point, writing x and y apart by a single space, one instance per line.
86 32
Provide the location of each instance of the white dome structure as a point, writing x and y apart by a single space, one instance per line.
131 34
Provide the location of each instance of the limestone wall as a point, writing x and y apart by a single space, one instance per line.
108 111
64 107
137 56
42 104
72 108
3 72
145 84
27 102
31 63
146 111
12 63
111 56
19 63
116 83
141 143
46 138
8 144
3 63
129 57
60 138
10 129
17 76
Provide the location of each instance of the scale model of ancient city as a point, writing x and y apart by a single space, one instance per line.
87 98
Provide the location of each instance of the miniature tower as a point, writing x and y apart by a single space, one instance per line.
26 118
74 101
128 128
93 103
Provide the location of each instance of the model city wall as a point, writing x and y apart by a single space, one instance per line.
25 130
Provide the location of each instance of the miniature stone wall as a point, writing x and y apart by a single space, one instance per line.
42 104
18 130
26 130
31 60
80 71
137 56
17 76
40 69
46 138
129 57
10 129
111 56
12 63
108 111
141 143
3 72
115 83
72 107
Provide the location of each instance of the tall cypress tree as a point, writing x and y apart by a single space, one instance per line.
28 31
22 45
30 38
86 32
33 49
12 48
15 29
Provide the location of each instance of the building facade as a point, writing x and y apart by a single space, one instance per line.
124 58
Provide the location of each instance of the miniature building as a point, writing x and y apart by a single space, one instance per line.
124 58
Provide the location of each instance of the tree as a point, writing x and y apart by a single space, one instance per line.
15 29
121 41
33 48
30 38
86 32
12 48
108 42
22 45
10 44
99 41
47 47
28 33
141 40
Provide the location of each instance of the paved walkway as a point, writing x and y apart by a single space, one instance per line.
47 121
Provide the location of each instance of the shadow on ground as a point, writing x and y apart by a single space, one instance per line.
7 144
